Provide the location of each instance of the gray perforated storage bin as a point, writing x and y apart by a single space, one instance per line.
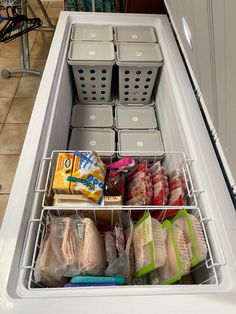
141 143
92 64
135 118
150 104
90 32
140 34
94 116
138 66
102 140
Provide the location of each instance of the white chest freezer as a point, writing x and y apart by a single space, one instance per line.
183 128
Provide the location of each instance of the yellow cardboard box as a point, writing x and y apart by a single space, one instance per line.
63 170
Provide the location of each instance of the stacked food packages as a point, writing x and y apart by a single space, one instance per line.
75 250
123 246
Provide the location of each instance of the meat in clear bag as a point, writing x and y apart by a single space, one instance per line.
124 264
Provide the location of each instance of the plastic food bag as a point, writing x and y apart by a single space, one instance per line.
120 238
123 265
172 270
160 184
49 267
178 189
110 244
149 245
88 176
137 185
115 185
93 255
193 234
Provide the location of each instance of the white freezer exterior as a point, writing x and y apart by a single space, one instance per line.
47 132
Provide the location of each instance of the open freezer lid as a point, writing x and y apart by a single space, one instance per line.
177 13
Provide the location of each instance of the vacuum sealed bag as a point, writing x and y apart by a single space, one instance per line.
149 245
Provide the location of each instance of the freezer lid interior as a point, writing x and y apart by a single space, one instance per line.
185 38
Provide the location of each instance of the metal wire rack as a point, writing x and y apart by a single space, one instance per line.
170 161
204 273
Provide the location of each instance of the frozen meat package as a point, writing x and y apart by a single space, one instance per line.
49 267
172 270
93 255
140 188
120 246
149 245
192 230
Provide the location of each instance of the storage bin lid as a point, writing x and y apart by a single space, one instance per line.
140 143
135 118
93 139
84 52
145 34
92 116
139 53
92 32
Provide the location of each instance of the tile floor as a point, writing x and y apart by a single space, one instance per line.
17 95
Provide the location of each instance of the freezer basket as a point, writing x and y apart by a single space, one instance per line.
169 161
204 273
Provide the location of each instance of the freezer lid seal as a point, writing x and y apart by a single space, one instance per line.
202 104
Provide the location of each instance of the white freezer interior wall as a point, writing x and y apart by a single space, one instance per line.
54 135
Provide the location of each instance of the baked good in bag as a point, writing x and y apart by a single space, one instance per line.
149 245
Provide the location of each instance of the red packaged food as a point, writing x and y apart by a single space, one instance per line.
160 184
176 197
136 185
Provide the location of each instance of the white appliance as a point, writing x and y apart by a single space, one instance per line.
183 129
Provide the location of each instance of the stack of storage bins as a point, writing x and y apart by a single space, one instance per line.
92 57
138 59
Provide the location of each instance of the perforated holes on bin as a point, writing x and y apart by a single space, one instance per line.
93 83
137 81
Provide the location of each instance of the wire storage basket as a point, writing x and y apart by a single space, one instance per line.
169 161
205 273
